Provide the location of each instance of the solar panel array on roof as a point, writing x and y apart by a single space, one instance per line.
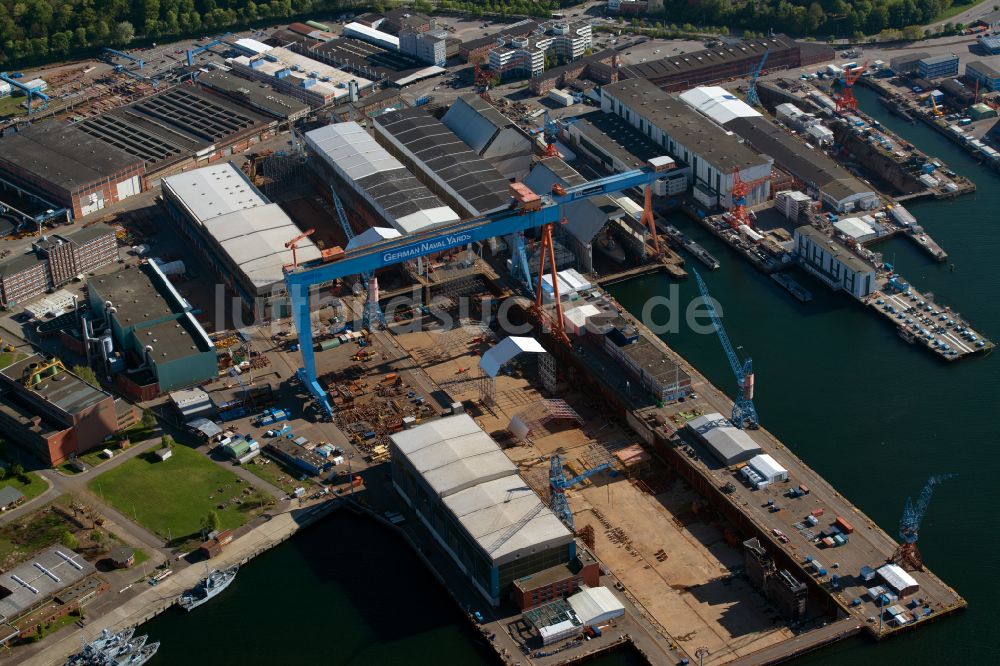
378 177
473 182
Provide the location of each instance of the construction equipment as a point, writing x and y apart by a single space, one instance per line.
292 244
738 215
372 310
527 211
907 555
29 92
121 54
935 108
516 527
744 413
519 267
36 373
558 483
845 100
752 98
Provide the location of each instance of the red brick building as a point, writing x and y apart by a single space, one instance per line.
557 582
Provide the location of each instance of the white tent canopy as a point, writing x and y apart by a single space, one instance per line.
371 236
596 605
505 350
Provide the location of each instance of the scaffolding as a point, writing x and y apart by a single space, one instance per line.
547 372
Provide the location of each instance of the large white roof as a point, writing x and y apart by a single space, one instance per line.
767 466
252 45
251 231
854 227
371 236
896 577
595 605
363 32
718 104
214 190
488 512
302 71
453 454
727 442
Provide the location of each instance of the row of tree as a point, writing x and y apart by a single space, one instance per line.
811 17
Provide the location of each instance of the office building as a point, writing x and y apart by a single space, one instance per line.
428 47
833 263
936 67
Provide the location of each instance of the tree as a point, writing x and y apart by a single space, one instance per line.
87 375
167 442
148 419
17 469
122 33
69 540
96 536
211 522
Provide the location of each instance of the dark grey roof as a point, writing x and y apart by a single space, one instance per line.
617 138
87 234
750 50
253 94
399 192
63 155
982 68
835 249
684 124
135 296
525 27
20 263
372 61
448 158
67 392
795 157
9 495
172 124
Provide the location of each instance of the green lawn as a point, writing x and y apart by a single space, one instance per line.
9 106
7 358
170 498
277 474
31 485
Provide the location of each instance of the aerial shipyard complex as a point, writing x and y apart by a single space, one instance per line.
300 249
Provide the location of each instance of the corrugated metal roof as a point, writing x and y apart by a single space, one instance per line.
214 190
718 104
728 443
378 177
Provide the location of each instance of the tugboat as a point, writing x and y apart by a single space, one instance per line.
677 237
208 587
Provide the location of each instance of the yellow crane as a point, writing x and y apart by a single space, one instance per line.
937 111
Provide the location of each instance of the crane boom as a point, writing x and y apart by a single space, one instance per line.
752 97
744 411
515 528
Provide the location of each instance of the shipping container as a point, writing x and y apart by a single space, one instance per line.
828 542
329 344
844 525
817 512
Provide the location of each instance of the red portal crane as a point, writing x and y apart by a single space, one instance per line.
738 213
846 100
294 242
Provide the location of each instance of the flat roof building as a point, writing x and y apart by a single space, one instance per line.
717 104
387 192
254 95
655 371
51 412
491 135
823 178
164 346
238 230
833 263
988 76
728 444
314 82
470 496
370 61
68 168
690 138
936 67
39 580
720 63
442 161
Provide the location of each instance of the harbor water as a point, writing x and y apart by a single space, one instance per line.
872 414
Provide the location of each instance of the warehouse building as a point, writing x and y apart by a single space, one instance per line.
314 82
402 18
600 67
162 346
47 587
52 413
55 260
823 178
690 138
254 95
721 63
477 507
833 263
907 63
442 161
239 232
656 372
717 104
178 129
373 183
69 169
987 76
491 135
727 443
367 60
618 146
936 67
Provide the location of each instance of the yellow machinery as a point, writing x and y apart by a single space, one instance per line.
937 111
36 373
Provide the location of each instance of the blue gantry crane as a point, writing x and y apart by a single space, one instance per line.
752 98
528 210
744 413
907 555
558 483
121 54
191 53
29 91
372 310
519 267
